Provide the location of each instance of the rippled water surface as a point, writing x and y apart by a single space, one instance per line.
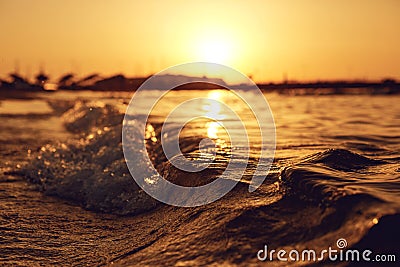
68 197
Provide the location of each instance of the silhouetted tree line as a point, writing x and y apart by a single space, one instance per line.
69 81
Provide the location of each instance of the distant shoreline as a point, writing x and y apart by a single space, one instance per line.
121 83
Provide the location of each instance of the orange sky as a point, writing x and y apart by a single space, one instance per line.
302 39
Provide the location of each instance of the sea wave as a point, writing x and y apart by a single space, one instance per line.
340 176
91 169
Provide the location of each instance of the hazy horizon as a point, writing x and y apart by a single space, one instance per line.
77 77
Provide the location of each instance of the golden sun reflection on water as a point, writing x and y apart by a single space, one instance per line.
214 110
212 129
150 133
213 107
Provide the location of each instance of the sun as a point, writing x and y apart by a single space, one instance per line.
215 50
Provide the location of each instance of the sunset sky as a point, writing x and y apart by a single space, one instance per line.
300 40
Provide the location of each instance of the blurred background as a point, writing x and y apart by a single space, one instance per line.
271 41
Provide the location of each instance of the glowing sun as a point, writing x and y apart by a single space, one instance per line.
215 50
